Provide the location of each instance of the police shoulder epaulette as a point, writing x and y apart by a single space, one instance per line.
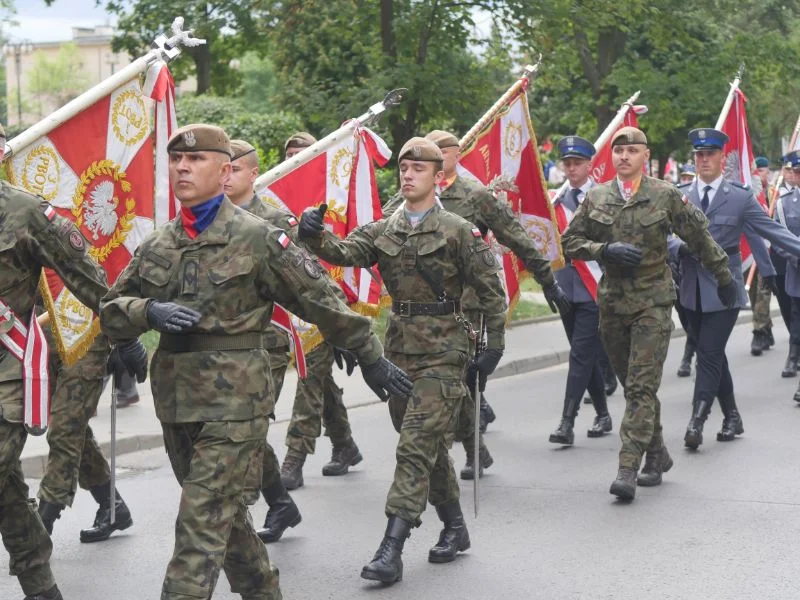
680 186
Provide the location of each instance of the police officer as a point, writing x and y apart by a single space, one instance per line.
210 376
687 173
427 256
731 210
624 224
581 322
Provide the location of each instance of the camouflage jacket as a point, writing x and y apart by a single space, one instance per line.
231 273
33 236
645 221
450 250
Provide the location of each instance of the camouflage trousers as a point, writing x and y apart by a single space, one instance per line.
270 468
318 400
75 457
760 297
218 465
426 422
24 536
637 347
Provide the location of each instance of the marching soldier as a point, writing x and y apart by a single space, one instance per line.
581 322
427 257
731 210
624 224
75 457
687 173
759 293
211 377
317 398
33 236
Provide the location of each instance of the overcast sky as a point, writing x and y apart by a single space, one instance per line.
41 23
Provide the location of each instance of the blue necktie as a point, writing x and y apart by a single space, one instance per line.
704 202
576 192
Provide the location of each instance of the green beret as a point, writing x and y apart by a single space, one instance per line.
443 139
418 148
200 137
301 139
629 135
239 148
762 162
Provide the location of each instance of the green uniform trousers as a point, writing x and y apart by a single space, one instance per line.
270 468
426 422
637 347
218 465
760 297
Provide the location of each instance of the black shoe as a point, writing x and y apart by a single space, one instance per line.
602 425
564 434
624 486
282 514
103 528
694 431
468 472
342 458
655 464
49 512
387 564
454 538
731 427
292 469
790 368
759 342
685 368
52 594
487 411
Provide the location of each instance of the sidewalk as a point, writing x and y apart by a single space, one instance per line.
530 345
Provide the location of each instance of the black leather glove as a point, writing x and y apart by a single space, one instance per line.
345 360
622 253
728 293
311 222
771 282
169 317
556 298
482 367
386 379
128 356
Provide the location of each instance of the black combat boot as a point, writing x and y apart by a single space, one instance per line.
282 514
564 434
694 432
759 343
685 369
655 464
49 512
601 426
790 368
770 338
103 528
342 458
52 594
732 422
468 472
454 538
387 564
624 486
487 414
587 399
292 469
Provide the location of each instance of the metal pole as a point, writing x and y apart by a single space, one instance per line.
726 107
113 465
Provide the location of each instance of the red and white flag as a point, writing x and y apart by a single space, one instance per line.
588 270
160 87
602 166
507 146
343 177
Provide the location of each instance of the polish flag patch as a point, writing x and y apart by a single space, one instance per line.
292 221
50 212
284 240
476 232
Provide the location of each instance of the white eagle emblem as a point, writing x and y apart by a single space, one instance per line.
732 168
100 214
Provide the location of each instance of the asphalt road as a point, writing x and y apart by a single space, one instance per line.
724 524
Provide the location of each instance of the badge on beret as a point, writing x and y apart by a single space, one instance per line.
570 141
189 139
416 151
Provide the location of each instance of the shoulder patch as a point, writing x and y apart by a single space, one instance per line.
284 240
292 221
48 210
476 232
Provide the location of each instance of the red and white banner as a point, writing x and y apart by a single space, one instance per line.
160 86
343 177
602 166
96 169
589 271
507 146
282 319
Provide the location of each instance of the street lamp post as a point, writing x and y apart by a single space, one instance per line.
17 49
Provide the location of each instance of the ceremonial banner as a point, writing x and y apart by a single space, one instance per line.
96 169
160 86
343 177
505 146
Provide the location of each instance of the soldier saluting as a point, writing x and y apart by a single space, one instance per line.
207 281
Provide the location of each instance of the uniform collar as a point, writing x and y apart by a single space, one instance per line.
399 223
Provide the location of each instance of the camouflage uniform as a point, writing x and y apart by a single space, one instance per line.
636 302
31 236
212 388
432 349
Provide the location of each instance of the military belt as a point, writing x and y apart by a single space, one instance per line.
732 251
413 309
204 343
634 272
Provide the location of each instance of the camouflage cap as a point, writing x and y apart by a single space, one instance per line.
629 135
240 148
200 137
443 139
418 148
301 139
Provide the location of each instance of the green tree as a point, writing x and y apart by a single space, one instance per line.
54 82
